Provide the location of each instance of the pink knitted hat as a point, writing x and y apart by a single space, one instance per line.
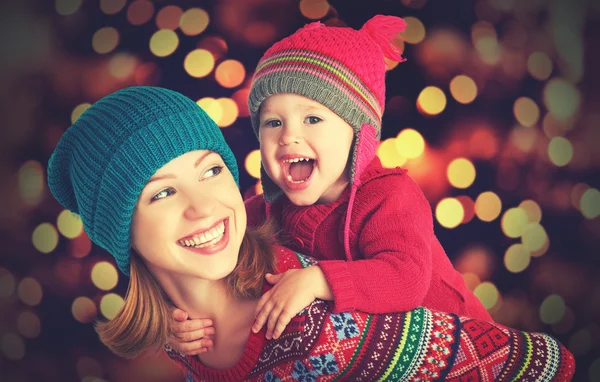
341 68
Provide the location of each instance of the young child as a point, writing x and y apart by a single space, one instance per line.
316 104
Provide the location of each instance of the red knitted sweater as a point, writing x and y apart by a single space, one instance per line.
399 265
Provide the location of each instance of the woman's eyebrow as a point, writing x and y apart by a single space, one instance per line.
203 157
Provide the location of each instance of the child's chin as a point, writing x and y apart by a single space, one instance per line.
302 199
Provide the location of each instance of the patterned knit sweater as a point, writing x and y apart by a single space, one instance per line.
420 345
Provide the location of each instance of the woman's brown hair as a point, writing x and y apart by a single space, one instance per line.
144 321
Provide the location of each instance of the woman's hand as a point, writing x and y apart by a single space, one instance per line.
191 337
293 291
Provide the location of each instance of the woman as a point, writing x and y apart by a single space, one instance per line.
156 185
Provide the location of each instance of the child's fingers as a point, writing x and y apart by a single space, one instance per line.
195 335
192 325
262 316
178 314
273 318
191 348
282 322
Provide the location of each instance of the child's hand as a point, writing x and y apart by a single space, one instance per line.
191 337
294 290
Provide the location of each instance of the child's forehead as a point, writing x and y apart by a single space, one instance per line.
289 101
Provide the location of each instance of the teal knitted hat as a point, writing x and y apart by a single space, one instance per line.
104 160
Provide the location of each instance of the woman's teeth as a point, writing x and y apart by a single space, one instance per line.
205 239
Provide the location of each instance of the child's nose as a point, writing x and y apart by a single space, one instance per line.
289 135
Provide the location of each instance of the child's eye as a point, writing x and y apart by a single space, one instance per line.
312 120
163 194
213 171
272 123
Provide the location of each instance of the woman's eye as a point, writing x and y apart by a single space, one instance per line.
163 194
312 120
213 171
272 123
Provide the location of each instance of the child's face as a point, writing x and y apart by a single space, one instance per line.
304 148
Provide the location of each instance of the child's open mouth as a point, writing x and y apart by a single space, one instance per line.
298 171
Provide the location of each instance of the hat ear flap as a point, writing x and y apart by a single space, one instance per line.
364 151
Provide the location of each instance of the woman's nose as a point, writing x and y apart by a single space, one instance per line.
200 205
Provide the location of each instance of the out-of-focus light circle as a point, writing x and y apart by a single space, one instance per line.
463 89
199 63
111 7
241 99
468 208
110 304
527 113
472 280
552 309
122 65
163 42
230 112
29 325
590 203
560 151
534 237
88 367
594 371
580 342
389 155
105 40
532 209
67 7
487 293
539 66
169 17
488 49
69 224
488 206
314 9
30 291
230 73
194 21
13 346
461 173
45 238
517 258
414 32
140 12
449 212
80 246
252 164
576 193
410 143
259 188
566 323
84 310
78 110
513 222
561 98
31 182
541 252
8 284
104 276
431 100
212 107
523 138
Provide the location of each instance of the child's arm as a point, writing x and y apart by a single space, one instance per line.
394 224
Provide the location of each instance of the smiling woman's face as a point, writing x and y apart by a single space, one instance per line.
190 218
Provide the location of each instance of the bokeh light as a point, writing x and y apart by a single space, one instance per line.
105 40
532 209
561 98
29 324
387 151
526 111
488 206
229 112
580 342
414 32
488 294
485 40
552 309
69 224
449 212
30 291
13 347
122 65
8 284
463 89
314 9
140 12
194 21
590 203
169 17
84 310
163 42
539 66
523 138
252 164
45 238
241 100
111 7
110 304
461 173
199 63
212 107
471 280
410 143
104 276
67 7
80 246
431 101
513 222
560 151
78 110
468 207
534 237
576 193
517 258
31 182
230 73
